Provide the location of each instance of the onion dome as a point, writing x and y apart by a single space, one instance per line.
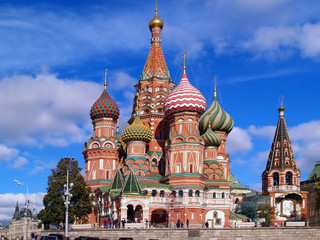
104 107
220 120
137 131
156 22
185 97
210 138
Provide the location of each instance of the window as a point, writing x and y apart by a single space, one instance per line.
214 195
154 193
191 166
107 174
94 174
289 178
101 164
190 193
154 162
173 193
275 179
145 192
180 193
161 193
223 195
197 193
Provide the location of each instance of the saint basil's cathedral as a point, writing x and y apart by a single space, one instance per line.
170 164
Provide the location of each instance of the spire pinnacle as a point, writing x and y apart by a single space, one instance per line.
156 21
105 79
184 62
215 86
281 108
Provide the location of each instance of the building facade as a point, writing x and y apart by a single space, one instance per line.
281 178
170 165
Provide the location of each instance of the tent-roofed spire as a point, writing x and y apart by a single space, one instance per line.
281 153
117 182
156 64
131 185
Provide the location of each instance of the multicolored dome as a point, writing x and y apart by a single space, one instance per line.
137 131
104 107
210 138
185 97
220 120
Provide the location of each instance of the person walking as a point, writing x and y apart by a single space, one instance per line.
187 223
207 224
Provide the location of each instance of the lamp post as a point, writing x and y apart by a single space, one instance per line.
67 196
25 209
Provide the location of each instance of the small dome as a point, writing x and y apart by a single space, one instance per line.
281 108
220 120
185 97
137 131
210 138
104 107
156 22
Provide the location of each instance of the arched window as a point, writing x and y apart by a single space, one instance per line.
154 193
214 195
154 162
222 195
161 193
289 178
197 193
275 179
173 193
180 193
190 193
145 192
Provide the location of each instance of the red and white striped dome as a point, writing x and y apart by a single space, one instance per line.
185 97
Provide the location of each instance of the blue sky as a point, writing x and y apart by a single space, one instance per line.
54 53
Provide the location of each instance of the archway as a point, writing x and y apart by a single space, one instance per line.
138 214
130 213
159 216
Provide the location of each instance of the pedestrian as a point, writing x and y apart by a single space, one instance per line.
187 223
178 223
207 224
123 222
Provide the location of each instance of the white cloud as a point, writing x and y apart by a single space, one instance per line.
7 154
309 131
45 110
283 40
238 141
265 131
122 80
8 203
20 162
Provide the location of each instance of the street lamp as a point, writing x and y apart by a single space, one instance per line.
67 196
25 209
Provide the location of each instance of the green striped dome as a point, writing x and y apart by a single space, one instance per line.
210 138
137 131
220 120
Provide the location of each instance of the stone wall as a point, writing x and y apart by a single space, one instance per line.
308 233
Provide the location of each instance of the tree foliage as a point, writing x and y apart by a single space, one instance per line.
81 202
267 212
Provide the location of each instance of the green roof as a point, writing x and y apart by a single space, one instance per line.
234 183
131 185
152 184
104 188
117 182
315 173
237 216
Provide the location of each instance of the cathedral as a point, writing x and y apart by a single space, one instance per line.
170 165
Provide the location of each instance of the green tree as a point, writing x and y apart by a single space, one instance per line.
267 212
53 202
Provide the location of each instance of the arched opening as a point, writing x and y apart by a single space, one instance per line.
130 213
275 179
138 214
159 217
222 195
154 162
289 178
161 193
162 165
197 193
154 193
214 195
173 193
180 193
190 193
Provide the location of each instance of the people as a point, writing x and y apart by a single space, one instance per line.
123 223
187 223
178 223
207 224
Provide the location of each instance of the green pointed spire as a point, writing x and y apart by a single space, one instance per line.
131 185
117 182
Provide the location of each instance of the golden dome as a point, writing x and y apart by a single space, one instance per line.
156 22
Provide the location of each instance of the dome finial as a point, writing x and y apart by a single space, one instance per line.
156 21
184 62
105 79
281 108
215 86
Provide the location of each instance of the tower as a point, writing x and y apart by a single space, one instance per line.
151 92
101 151
281 178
